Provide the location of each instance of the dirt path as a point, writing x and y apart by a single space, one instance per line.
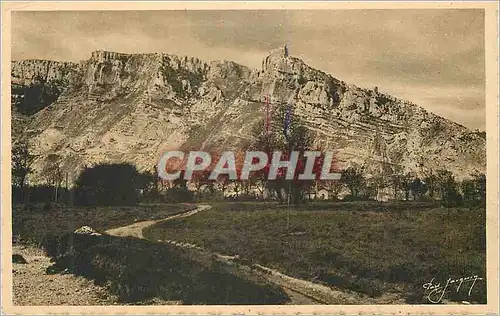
299 291
135 230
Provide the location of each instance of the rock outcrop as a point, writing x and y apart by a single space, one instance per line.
132 107
87 230
27 72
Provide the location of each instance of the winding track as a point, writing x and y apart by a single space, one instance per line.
300 292
135 230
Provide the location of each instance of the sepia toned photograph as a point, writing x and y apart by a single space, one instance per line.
209 155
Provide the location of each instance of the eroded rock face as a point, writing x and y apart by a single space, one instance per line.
117 107
28 71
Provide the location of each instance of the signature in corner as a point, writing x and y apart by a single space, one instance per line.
438 290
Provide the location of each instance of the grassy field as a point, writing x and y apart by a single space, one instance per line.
367 247
136 271
34 223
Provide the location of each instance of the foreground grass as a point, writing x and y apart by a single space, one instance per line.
136 271
371 248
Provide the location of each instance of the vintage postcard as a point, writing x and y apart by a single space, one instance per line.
250 158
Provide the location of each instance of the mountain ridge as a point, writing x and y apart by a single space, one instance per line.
75 64
138 105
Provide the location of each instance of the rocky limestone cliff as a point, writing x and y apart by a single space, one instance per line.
26 72
132 107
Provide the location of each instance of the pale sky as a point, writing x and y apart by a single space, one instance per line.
432 57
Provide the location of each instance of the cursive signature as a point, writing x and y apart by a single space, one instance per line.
438 290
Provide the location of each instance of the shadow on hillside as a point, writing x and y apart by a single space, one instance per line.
137 270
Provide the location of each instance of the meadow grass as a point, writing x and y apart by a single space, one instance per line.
372 248
33 223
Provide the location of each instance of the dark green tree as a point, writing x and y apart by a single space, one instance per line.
474 189
448 187
109 184
270 137
480 180
430 180
417 188
374 186
401 182
53 173
22 161
354 180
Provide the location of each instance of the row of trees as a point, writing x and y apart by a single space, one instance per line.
115 184
439 185
122 183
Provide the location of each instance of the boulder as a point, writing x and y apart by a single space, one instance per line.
87 230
